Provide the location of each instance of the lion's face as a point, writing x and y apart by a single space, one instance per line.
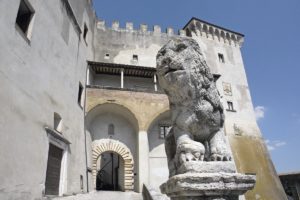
177 64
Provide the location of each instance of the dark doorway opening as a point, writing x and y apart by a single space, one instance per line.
109 175
53 170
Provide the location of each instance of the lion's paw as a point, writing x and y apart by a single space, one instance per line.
220 154
190 151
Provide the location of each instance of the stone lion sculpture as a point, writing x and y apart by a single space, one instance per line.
197 113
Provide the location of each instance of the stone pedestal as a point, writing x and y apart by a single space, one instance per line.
207 186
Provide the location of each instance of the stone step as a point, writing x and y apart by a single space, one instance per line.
104 195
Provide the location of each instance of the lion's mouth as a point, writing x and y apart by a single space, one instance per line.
170 71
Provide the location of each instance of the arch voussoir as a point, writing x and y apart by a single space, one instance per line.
104 145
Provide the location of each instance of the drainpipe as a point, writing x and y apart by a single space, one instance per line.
84 129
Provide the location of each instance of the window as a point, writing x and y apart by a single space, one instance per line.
24 18
81 183
57 122
106 56
85 31
80 93
221 58
164 130
111 129
135 58
230 106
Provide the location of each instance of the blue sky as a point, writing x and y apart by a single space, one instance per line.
271 55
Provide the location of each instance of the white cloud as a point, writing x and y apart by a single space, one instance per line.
272 145
259 112
279 143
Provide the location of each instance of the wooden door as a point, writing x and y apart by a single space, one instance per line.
53 170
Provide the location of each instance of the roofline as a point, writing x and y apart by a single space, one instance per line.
121 65
138 67
289 173
194 18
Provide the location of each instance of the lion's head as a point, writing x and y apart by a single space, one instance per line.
181 68
186 79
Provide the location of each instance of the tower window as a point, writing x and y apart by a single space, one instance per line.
221 58
80 93
24 17
57 122
163 131
81 183
85 31
111 129
106 56
230 106
135 58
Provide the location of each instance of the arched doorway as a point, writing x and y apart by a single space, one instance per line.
110 170
119 176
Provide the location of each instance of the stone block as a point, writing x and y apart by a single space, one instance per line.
207 167
200 186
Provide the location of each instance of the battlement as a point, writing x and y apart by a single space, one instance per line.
143 28
205 29
199 27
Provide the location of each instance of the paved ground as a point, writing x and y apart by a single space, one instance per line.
104 195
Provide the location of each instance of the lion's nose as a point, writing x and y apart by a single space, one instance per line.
189 157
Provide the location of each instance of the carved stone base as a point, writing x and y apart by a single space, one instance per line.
207 186
207 167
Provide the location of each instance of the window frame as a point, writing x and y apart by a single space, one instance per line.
230 106
27 35
80 93
165 128
85 33
221 58
135 58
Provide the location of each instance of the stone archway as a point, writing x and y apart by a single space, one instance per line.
104 145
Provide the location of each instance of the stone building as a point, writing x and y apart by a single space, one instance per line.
291 184
82 108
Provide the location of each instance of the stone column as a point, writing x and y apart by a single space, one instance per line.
88 78
122 78
143 159
155 82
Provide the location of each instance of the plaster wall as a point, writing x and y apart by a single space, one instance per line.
158 166
121 44
40 77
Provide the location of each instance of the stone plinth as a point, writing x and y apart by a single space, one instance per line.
207 186
207 167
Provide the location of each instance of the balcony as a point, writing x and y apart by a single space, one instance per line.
122 77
